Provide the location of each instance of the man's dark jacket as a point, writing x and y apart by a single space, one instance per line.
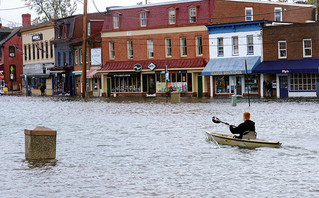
248 125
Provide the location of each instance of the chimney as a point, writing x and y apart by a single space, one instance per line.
26 20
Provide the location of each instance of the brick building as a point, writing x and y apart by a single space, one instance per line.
291 59
138 42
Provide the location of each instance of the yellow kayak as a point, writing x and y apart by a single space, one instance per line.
245 143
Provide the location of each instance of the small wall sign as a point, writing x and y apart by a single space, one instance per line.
137 67
152 66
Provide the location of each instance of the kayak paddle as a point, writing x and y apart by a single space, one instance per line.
217 120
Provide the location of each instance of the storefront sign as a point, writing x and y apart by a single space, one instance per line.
226 73
152 66
37 37
96 58
284 71
137 67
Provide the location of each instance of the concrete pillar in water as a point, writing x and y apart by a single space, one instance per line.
175 97
40 143
234 100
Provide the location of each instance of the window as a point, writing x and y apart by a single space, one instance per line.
76 57
235 45
116 20
143 19
192 15
111 51
150 50
64 60
59 59
11 51
220 46
42 51
33 54
46 49
303 82
249 14
199 46
282 49
129 49
25 53
89 28
250 44
278 14
38 50
51 49
171 16
307 48
29 50
168 47
183 46
81 56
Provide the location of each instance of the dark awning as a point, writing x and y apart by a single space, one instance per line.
122 74
230 66
288 66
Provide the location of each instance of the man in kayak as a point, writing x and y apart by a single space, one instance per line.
247 125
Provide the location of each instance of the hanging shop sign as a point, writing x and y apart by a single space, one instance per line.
37 37
137 67
152 66
12 73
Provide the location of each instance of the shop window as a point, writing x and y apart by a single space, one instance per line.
150 49
183 45
126 84
221 84
168 47
249 14
278 14
303 82
171 16
307 48
282 49
251 83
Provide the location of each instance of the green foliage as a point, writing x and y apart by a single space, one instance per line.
51 9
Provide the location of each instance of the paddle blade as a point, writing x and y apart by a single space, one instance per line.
215 120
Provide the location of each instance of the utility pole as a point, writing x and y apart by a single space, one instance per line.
84 49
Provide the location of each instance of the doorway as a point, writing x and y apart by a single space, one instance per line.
236 85
283 86
149 85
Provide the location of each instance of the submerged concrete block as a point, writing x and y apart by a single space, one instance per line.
40 143
175 97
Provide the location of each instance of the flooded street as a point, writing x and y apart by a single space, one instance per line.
152 148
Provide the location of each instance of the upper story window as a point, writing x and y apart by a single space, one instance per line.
150 49
81 56
282 49
51 49
250 44
278 14
130 49
171 16
12 51
143 19
29 50
66 31
192 15
199 46
307 48
111 50
75 57
89 28
183 44
46 49
116 21
220 46
249 14
168 47
235 45
25 53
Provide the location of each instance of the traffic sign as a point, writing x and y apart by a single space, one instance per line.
1 76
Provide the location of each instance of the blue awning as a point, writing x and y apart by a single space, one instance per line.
288 66
230 66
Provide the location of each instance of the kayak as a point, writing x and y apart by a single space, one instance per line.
220 138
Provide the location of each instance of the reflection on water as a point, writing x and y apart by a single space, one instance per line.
148 147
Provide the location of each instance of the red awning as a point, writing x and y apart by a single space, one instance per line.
93 74
160 64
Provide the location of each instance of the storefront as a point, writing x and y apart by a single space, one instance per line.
293 78
155 78
233 76
62 81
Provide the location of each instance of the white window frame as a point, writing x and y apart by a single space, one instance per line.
76 57
168 47
249 17
192 15
235 46
130 49
250 45
116 21
199 46
111 50
143 19
150 48
282 49
171 16
305 48
183 44
278 10
220 46
81 56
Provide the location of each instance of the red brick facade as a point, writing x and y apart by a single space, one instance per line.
293 35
